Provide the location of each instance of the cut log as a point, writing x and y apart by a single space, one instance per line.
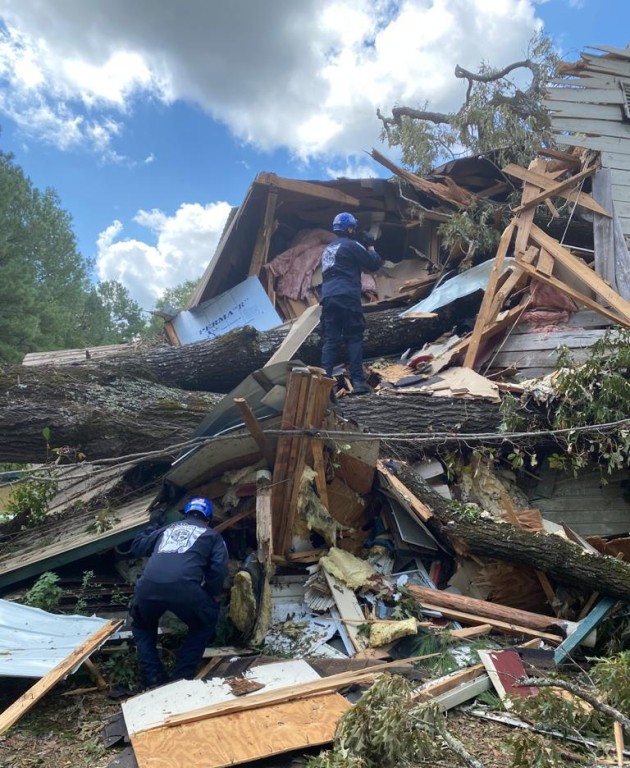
561 559
97 412
218 365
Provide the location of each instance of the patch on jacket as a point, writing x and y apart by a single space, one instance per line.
179 538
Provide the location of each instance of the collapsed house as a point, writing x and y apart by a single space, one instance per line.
333 520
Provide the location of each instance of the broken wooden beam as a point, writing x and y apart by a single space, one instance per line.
37 691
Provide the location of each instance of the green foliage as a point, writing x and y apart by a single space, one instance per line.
121 668
594 393
497 116
612 677
475 229
466 511
529 750
385 729
47 300
111 316
567 714
30 499
45 593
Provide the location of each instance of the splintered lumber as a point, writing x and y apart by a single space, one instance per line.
484 316
484 609
544 182
13 713
556 189
543 277
243 737
263 517
349 610
512 282
255 430
560 559
299 332
418 507
526 219
581 271
261 249
306 188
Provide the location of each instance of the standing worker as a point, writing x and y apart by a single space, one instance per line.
343 261
188 562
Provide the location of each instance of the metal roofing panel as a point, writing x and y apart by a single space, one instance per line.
33 641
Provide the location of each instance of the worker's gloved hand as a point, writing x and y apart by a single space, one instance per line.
157 518
365 238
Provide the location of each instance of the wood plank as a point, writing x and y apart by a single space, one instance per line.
599 111
606 65
623 53
538 167
14 712
349 610
581 271
584 95
419 508
576 295
537 341
591 126
299 332
504 626
264 525
542 181
556 189
616 161
513 282
307 188
584 628
484 316
243 737
251 422
261 249
602 144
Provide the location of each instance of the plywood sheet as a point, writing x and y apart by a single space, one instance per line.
243 736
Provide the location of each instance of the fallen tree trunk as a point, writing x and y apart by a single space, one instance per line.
96 412
218 365
563 560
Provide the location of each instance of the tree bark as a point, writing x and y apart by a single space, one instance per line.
96 412
218 365
563 560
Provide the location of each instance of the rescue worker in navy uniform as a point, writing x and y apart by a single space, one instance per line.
187 565
343 260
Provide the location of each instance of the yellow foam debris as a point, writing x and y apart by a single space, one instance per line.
347 568
384 632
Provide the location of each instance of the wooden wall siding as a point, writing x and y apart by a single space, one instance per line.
68 540
587 111
583 503
536 354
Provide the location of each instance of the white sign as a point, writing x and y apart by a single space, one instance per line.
245 304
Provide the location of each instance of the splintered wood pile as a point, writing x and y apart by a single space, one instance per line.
541 258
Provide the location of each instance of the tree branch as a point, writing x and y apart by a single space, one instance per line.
587 696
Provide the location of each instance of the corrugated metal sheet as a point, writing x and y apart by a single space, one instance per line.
32 641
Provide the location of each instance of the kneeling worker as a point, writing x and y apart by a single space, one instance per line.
343 260
188 562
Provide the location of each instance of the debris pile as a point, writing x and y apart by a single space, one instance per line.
359 551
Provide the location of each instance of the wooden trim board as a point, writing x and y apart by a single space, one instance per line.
20 707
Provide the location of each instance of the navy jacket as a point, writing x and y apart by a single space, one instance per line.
184 551
343 260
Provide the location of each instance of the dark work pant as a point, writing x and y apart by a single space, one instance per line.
341 322
192 605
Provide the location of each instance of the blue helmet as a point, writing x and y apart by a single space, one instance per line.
199 504
343 222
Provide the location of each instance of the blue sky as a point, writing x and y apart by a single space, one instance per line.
150 118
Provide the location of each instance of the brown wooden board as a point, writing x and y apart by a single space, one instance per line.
243 736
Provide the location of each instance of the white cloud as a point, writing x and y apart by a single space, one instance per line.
184 244
307 76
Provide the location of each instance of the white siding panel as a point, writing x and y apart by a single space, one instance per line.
601 143
620 194
600 64
608 112
586 95
597 127
617 160
619 178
